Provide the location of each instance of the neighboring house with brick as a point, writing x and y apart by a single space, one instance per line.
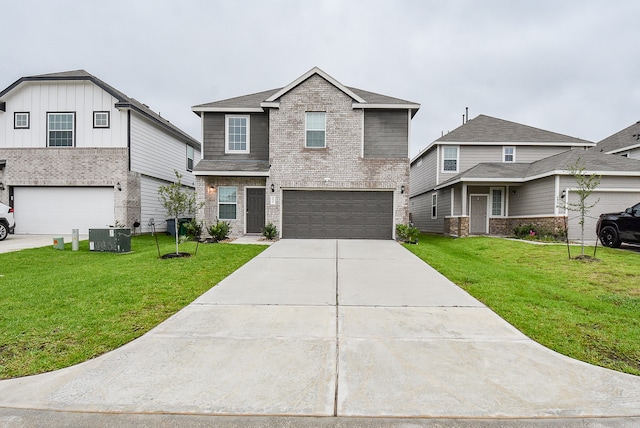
315 158
472 180
75 153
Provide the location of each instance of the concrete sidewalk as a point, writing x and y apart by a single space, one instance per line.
326 328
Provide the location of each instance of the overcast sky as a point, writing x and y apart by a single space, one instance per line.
570 66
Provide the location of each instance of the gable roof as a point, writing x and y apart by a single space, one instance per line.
626 139
487 130
594 162
260 101
124 101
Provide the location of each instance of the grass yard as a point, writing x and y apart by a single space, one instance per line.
59 308
586 310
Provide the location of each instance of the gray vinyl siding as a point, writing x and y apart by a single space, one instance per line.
471 156
213 127
528 154
386 134
423 178
534 198
606 182
420 208
457 201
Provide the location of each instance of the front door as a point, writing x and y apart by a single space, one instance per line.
478 215
255 210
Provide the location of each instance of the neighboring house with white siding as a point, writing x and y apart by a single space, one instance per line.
624 143
490 175
76 153
316 158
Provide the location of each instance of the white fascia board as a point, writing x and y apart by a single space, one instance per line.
624 149
511 143
266 104
232 173
480 180
387 106
601 173
314 70
227 109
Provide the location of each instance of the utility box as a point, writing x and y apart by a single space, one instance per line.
113 240
58 243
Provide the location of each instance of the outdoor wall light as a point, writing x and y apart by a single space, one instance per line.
118 186
564 194
513 192
1 186
402 189
273 188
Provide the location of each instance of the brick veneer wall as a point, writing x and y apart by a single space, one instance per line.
69 167
459 226
340 164
456 226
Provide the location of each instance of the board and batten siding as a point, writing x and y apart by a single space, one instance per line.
213 131
535 198
423 177
157 154
82 98
386 134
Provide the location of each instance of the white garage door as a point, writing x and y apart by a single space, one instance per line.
58 210
610 202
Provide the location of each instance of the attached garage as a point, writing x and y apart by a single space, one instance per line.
609 202
315 214
58 210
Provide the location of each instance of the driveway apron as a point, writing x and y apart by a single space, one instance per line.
333 328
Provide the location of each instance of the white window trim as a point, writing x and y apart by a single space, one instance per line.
226 132
95 125
504 154
227 203
306 128
434 205
444 159
502 202
73 130
15 119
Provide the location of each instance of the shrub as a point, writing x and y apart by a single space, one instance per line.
193 229
407 233
219 231
270 231
539 233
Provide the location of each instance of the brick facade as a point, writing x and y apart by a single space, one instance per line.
503 226
338 166
75 167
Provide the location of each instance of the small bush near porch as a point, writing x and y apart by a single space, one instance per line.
588 311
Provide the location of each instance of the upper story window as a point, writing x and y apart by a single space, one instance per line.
227 202
508 154
60 129
189 158
100 119
315 127
450 159
21 120
236 134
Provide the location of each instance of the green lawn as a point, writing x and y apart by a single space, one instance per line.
58 308
586 310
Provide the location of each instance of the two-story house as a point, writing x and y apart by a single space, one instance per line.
624 143
491 175
315 158
76 153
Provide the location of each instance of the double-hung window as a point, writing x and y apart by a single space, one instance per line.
316 129
189 158
60 129
21 120
508 154
237 134
450 159
227 202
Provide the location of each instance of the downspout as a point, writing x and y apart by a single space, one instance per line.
129 137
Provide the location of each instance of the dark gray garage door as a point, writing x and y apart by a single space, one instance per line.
337 215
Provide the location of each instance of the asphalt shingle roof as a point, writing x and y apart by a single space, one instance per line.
487 129
232 165
621 140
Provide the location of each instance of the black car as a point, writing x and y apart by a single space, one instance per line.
615 228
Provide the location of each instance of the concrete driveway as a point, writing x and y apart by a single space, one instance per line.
21 242
340 330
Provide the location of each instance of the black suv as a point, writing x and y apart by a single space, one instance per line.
615 228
